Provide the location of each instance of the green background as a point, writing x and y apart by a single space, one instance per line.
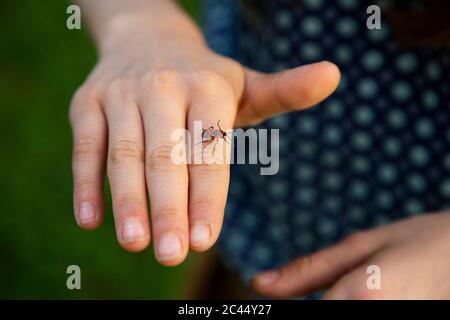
41 65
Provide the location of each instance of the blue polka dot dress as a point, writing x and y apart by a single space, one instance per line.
377 150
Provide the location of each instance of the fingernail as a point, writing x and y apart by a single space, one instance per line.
267 278
169 247
86 213
200 235
133 230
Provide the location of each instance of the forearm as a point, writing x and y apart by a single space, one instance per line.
113 19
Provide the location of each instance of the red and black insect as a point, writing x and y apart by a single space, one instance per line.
211 134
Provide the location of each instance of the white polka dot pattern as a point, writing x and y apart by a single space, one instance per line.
375 151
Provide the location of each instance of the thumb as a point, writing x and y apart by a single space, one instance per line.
316 271
266 95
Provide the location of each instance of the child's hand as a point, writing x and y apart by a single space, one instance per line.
144 87
413 257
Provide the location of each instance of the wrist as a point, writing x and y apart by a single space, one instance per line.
143 28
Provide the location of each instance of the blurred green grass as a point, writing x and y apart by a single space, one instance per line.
41 64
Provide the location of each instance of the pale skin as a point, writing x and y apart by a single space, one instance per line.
155 74
413 256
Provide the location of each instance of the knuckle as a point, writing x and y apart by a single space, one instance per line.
205 169
307 94
200 207
164 80
167 212
84 96
118 84
166 216
205 76
209 82
86 146
125 150
300 267
159 158
86 92
81 184
119 89
129 200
